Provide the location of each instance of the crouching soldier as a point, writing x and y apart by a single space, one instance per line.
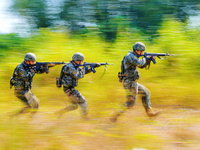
22 82
69 76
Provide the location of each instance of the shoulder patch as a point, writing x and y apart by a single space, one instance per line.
74 71
22 72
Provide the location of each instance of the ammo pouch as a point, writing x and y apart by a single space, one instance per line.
136 75
120 76
11 82
58 82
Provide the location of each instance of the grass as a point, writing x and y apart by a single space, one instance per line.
173 92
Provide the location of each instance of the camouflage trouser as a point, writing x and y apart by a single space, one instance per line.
28 98
132 89
76 99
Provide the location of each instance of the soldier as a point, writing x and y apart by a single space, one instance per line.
129 76
22 81
70 74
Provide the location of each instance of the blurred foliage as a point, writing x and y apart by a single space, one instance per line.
10 41
35 11
78 15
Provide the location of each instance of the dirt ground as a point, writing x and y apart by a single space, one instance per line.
174 128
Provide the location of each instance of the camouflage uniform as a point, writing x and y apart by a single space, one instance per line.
22 81
70 74
129 76
131 62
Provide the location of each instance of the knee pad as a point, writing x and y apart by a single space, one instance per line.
83 108
33 101
130 101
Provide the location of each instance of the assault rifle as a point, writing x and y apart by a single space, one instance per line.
46 65
149 56
93 65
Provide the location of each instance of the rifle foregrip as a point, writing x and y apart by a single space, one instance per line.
154 61
93 70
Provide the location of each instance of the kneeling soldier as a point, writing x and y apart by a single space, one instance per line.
22 81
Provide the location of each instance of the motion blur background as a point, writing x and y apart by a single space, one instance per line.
104 31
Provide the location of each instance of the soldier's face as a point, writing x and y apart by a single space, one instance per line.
139 52
79 62
30 62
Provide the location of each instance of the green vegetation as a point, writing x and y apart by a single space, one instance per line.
173 83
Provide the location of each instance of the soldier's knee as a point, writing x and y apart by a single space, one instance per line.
129 103
74 106
71 107
83 103
33 101
147 93
131 97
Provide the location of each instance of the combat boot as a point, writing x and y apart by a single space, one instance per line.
59 113
114 116
150 112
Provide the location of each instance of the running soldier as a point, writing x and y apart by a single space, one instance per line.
129 76
69 76
22 82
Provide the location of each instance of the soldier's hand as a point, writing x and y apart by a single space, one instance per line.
151 57
46 69
37 68
42 69
79 69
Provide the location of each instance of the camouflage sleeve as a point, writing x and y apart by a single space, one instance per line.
141 63
73 72
135 61
148 61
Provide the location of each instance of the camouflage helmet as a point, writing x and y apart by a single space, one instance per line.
29 57
139 46
78 57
